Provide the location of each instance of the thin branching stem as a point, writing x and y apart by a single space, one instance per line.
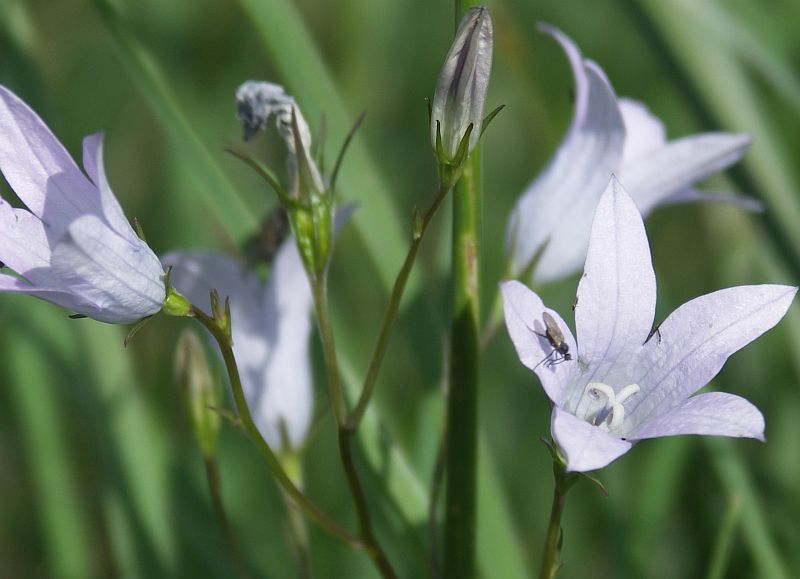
300 499
345 434
391 311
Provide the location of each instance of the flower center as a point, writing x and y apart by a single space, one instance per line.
611 415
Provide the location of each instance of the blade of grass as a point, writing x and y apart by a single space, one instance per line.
735 479
35 384
209 179
302 68
723 546
727 98
137 439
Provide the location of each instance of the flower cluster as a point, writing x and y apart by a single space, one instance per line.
626 381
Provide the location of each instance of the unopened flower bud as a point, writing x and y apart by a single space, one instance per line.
201 389
461 87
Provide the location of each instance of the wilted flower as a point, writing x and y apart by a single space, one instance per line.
256 102
309 202
271 325
607 135
462 83
73 245
624 381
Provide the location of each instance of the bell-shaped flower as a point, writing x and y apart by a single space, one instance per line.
270 324
608 135
72 246
462 84
622 381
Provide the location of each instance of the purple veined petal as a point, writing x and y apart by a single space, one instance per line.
713 413
559 204
644 132
121 279
617 293
24 246
680 164
523 315
39 169
93 164
288 397
55 296
692 195
697 339
585 447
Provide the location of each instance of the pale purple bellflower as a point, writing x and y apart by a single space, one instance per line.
271 325
607 136
72 246
621 381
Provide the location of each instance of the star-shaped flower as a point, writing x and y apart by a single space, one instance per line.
73 245
271 325
607 135
624 381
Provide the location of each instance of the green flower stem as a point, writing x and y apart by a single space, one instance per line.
300 499
551 558
215 487
344 433
391 312
462 402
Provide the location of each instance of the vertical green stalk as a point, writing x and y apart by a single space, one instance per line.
215 487
43 420
462 403
551 558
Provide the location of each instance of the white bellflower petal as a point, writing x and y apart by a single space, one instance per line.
624 382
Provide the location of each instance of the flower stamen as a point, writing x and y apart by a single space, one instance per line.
612 414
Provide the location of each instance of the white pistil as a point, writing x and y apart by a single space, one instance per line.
613 412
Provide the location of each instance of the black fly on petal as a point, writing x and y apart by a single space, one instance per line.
554 336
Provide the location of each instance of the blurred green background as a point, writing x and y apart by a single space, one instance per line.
99 474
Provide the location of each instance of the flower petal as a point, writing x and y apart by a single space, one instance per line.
39 169
617 293
692 194
55 296
271 329
713 413
695 341
523 314
644 132
93 164
559 204
24 246
667 171
585 447
123 280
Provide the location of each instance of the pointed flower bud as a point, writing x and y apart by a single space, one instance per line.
461 87
201 389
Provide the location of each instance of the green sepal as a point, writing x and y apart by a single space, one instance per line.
175 303
450 170
345 145
489 118
263 171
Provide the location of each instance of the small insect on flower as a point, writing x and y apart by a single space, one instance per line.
552 333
